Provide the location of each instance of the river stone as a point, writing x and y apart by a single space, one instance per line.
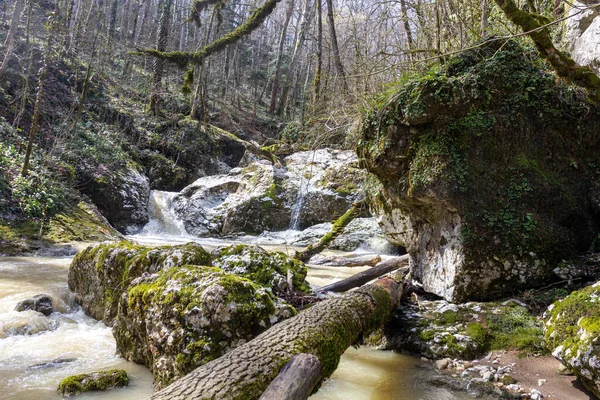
478 184
572 332
183 317
121 196
582 35
96 381
41 303
310 187
99 274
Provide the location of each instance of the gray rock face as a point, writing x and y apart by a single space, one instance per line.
41 303
121 197
311 188
582 35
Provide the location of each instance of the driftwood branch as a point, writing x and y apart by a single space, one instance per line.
363 277
296 380
337 229
325 330
250 147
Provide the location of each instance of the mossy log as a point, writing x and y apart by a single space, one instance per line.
252 148
325 330
363 277
534 26
337 229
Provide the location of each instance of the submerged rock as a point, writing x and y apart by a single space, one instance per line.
310 188
101 273
41 303
572 332
97 381
487 182
183 317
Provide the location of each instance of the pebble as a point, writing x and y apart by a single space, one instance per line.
541 382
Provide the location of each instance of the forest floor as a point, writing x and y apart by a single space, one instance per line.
531 371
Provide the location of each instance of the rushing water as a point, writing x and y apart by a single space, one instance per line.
37 352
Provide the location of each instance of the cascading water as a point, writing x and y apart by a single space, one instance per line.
296 208
163 221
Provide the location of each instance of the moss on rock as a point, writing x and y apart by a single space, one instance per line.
485 178
183 317
438 329
101 273
572 333
272 270
97 381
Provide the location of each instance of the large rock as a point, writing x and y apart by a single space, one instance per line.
41 303
486 181
311 188
582 36
183 317
438 329
101 273
96 381
121 196
573 334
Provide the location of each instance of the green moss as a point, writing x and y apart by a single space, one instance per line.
97 381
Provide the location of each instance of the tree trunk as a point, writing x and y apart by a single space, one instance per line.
288 16
406 25
319 67
334 46
338 227
363 277
325 330
164 10
10 38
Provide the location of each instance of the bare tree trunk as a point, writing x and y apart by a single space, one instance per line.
335 49
35 119
10 38
286 22
164 10
325 330
485 13
319 67
406 25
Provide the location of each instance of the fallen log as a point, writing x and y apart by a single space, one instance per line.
325 330
352 260
337 229
296 380
363 277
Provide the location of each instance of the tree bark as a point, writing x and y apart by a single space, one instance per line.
296 380
10 38
319 67
288 17
363 277
334 44
164 10
325 330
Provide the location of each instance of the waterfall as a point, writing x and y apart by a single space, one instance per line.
162 219
296 208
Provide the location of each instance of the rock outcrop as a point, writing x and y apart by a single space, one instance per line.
582 36
487 182
573 334
121 196
310 188
174 308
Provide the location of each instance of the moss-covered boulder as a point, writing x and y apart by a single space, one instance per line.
183 317
487 169
438 329
284 275
573 334
96 381
101 273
